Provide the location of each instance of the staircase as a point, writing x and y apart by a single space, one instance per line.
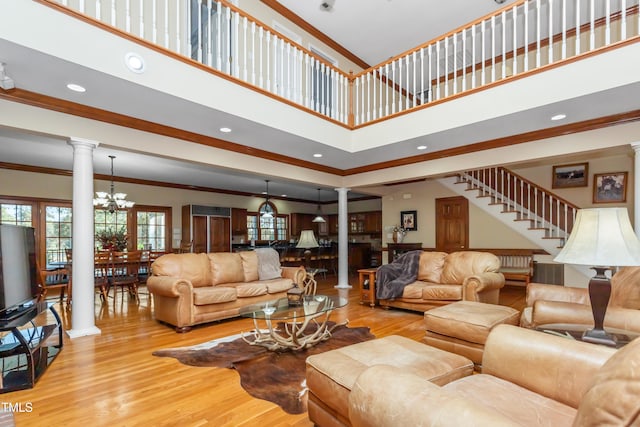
534 212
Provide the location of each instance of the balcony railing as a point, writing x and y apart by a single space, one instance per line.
522 38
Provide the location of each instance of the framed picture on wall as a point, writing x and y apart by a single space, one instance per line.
409 220
610 187
573 175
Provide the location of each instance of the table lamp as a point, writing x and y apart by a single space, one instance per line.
601 238
307 240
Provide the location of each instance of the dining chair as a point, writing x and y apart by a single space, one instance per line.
60 278
124 269
101 261
145 266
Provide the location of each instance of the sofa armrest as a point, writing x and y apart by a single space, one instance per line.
539 291
559 368
481 283
172 287
387 396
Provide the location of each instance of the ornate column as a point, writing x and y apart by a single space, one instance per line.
636 187
343 239
83 311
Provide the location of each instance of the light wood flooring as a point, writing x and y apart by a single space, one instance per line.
113 380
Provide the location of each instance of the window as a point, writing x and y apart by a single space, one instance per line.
261 228
58 227
151 228
105 221
17 214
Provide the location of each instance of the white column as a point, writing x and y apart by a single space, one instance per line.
83 311
343 239
636 187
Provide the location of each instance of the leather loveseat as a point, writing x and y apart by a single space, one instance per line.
190 289
444 278
528 378
560 305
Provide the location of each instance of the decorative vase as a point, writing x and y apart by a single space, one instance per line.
397 237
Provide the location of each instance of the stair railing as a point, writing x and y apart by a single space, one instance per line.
544 209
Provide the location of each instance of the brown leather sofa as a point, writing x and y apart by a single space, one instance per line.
552 304
190 289
445 278
528 378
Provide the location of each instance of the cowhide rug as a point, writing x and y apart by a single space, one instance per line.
278 377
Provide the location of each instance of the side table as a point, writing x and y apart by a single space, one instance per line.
367 280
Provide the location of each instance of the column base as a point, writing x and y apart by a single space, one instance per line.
77 333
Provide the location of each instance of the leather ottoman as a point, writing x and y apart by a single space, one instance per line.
463 327
331 375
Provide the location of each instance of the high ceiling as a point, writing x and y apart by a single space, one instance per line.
385 28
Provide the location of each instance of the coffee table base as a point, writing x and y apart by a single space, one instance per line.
294 335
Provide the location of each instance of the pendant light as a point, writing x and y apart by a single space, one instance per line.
267 210
112 201
319 218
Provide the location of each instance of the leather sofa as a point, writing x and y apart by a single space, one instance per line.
528 378
189 289
444 278
559 305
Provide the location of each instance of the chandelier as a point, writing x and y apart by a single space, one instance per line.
112 201
319 217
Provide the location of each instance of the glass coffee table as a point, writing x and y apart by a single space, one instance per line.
292 327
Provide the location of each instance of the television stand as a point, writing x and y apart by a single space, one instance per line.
29 342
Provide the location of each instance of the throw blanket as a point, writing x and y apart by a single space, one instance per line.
392 278
268 263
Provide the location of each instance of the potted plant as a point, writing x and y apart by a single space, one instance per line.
112 240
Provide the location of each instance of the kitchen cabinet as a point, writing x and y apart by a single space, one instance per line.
239 222
208 227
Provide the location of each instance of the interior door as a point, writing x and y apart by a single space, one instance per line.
219 234
452 224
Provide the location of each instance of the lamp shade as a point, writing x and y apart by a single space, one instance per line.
307 240
601 237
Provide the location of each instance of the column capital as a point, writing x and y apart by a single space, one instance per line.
81 142
636 146
342 189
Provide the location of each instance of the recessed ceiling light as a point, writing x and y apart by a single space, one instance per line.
76 88
318 155
421 147
134 62
225 130
558 117
283 195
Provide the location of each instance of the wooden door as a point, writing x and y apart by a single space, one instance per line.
219 234
452 224
199 236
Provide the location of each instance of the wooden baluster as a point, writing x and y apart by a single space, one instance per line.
592 35
253 52
538 35
483 56
623 20
504 43
429 89
245 75
564 29
577 26
209 52
437 69
408 88
455 63
166 24
526 35
607 32
127 16
141 21
446 67
550 24
514 59
287 68
473 56
413 91
493 49
154 22
366 93
219 11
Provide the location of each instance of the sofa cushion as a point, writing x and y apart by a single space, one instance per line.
249 265
213 295
192 267
430 267
522 406
460 265
613 399
226 267
251 289
275 286
432 291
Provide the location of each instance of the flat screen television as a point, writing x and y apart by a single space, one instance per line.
18 271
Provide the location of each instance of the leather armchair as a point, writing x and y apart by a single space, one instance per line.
552 304
528 378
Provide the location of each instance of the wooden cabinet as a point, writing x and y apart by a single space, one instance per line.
239 222
208 227
333 224
397 249
299 222
373 222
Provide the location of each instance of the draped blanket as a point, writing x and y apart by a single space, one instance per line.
268 263
392 278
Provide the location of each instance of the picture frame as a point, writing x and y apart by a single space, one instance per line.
570 175
409 220
610 187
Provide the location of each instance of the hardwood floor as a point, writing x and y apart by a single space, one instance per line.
112 379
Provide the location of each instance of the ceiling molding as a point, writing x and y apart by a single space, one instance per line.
536 135
67 107
297 20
